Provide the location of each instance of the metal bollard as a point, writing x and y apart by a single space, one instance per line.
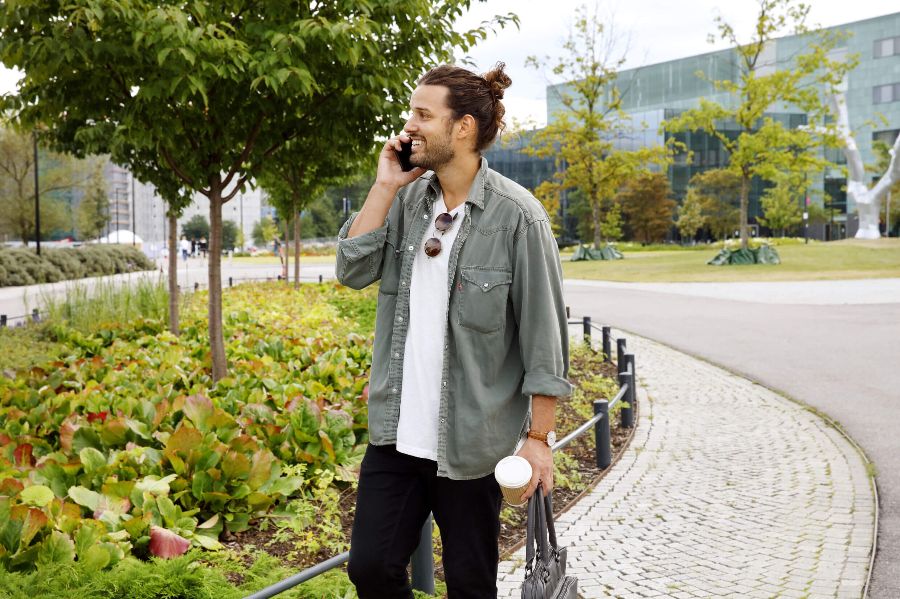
279 277
320 278
231 281
35 315
568 313
3 320
629 359
196 286
602 440
586 323
422 561
620 355
626 414
607 352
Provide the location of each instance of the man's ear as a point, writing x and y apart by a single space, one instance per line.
467 129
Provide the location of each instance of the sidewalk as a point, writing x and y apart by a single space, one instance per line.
727 490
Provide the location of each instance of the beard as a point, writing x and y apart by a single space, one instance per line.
437 153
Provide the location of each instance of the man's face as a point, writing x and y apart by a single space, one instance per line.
431 128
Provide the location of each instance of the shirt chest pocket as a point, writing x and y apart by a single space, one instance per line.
393 259
482 301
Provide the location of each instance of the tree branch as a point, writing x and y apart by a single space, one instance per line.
172 165
248 147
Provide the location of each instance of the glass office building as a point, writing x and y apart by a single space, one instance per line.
659 91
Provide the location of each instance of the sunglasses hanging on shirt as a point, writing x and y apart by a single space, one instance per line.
442 224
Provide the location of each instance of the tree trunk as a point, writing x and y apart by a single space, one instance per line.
745 200
297 250
173 274
286 250
216 336
595 213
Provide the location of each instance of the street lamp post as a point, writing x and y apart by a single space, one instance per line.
37 200
133 218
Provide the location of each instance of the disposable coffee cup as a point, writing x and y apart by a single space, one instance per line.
513 473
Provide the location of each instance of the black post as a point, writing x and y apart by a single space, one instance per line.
320 278
279 277
620 354
196 285
586 323
37 201
3 321
568 313
423 561
231 281
35 315
607 352
629 359
602 442
626 414
632 383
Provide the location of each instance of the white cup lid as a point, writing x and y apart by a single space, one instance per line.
512 471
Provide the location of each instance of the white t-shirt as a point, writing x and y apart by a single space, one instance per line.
423 356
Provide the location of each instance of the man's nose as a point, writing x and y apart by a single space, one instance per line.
410 126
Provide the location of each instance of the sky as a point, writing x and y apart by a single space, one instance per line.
650 31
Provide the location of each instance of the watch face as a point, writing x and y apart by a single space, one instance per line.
551 438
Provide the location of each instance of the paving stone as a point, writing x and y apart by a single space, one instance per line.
727 489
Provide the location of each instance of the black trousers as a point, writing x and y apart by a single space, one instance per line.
396 493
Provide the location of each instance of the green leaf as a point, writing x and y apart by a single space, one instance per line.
87 536
85 437
167 510
92 459
85 497
95 558
161 57
56 549
155 485
37 495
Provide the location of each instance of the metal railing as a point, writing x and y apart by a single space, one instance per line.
422 560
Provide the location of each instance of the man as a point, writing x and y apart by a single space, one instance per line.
471 342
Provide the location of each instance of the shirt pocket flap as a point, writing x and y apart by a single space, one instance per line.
486 279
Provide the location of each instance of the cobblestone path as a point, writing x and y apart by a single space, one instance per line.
727 490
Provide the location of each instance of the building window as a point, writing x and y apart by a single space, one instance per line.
888 136
887 47
882 94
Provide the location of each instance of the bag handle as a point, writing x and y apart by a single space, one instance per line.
537 528
551 527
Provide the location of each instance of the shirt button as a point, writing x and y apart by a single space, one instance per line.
400 319
403 283
425 216
394 390
410 248
396 354
485 285
444 383
443 420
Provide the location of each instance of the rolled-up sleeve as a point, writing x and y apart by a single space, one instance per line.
359 259
538 303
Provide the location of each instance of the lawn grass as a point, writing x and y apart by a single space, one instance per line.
847 259
273 260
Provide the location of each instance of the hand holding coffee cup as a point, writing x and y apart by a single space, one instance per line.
513 474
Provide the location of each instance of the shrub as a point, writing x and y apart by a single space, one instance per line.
22 266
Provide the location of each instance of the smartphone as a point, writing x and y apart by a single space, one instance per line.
403 156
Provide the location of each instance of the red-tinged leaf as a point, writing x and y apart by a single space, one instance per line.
10 487
327 444
260 468
199 409
95 416
33 520
235 465
184 443
66 433
113 432
166 544
4 440
365 394
22 455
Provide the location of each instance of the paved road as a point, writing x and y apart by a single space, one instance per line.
841 359
727 490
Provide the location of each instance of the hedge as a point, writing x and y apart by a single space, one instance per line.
22 266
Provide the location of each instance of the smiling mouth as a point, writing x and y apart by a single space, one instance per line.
417 143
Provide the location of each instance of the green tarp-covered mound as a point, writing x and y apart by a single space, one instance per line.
764 254
583 252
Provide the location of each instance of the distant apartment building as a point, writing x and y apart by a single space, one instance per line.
656 92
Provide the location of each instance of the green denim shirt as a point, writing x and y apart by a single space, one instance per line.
507 335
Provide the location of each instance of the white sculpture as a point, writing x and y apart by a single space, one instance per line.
868 201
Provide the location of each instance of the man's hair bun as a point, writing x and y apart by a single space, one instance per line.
498 80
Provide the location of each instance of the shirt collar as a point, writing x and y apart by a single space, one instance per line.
476 192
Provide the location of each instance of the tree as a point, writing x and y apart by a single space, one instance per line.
229 235
214 89
93 211
762 146
56 173
582 133
780 208
297 176
647 206
196 228
690 215
264 231
718 193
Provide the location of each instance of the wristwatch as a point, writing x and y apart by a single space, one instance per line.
549 437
